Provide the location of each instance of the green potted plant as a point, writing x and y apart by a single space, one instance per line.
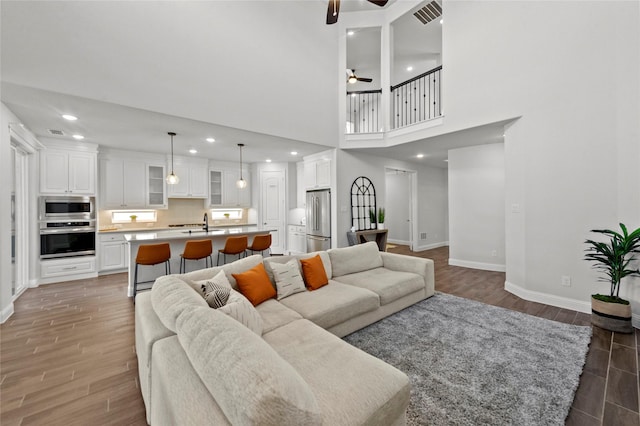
613 259
133 217
381 214
372 217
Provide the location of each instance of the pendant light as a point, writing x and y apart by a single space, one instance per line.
172 179
241 183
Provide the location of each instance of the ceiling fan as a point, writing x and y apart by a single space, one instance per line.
353 78
334 9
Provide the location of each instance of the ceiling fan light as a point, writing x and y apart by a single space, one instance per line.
352 79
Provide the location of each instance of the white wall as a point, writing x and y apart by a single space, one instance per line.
572 158
397 202
431 198
476 207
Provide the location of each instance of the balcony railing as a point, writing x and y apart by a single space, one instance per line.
363 112
416 100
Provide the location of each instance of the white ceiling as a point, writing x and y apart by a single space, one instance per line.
262 72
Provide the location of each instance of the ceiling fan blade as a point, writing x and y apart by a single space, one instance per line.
364 79
333 9
380 3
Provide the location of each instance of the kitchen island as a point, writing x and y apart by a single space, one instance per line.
177 239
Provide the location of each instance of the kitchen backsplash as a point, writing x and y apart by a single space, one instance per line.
180 211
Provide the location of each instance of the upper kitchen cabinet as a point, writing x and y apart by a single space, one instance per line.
223 191
156 187
317 173
68 171
122 183
192 175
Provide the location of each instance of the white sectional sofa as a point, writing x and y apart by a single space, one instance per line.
199 366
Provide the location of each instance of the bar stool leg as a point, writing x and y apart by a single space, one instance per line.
135 283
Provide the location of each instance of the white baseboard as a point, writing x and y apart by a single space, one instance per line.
549 299
33 283
6 313
432 246
401 242
635 320
478 265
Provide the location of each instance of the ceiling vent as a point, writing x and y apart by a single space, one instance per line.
56 132
429 12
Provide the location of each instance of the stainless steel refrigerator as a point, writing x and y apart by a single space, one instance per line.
318 220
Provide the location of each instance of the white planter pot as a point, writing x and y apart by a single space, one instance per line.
381 226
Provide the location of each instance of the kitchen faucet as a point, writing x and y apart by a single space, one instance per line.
205 226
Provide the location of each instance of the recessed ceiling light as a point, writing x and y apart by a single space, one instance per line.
409 68
78 137
193 151
294 152
420 156
441 21
446 161
350 32
69 117
268 160
210 140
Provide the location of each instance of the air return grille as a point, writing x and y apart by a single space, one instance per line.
429 12
56 132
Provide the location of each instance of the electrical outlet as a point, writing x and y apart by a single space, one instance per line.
566 281
494 253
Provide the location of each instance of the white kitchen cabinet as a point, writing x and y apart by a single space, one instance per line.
67 172
156 197
67 268
223 191
317 174
193 180
113 252
297 239
123 183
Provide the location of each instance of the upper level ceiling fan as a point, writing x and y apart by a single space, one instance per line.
334 9
352 77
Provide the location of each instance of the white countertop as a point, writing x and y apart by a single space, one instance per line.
167 228
184 234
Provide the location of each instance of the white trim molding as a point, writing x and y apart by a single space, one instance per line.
432 246
401 242
635 320
6 313
550 299
478 265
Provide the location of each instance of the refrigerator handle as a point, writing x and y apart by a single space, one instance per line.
317 199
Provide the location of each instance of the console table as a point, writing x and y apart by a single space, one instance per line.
377 235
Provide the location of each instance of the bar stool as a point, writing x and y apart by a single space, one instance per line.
151 254
260 243
196 250
233 246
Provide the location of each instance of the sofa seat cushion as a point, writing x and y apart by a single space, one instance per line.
250 382
351 386
332 304
274 314
389 285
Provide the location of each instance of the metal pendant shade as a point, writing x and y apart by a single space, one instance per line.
241 183
172 178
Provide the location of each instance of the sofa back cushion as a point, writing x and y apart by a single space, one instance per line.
170 296
358 258
250 382
236 267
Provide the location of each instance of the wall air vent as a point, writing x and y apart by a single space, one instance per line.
429 12
56 132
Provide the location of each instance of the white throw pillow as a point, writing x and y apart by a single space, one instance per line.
239 308
288 278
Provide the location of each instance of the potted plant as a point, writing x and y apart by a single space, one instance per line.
372 217
381 214
614 260
133 217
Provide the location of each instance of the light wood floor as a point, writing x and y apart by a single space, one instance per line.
67 354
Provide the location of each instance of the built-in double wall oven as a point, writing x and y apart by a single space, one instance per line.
67 226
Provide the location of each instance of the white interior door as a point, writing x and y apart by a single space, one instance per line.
272 202
399 206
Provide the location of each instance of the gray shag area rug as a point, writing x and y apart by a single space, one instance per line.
474 364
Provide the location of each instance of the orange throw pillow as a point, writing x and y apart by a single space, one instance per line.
314 273
254 284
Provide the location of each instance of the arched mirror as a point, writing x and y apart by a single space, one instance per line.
363 204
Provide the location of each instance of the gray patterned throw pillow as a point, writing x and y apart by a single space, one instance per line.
216 291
